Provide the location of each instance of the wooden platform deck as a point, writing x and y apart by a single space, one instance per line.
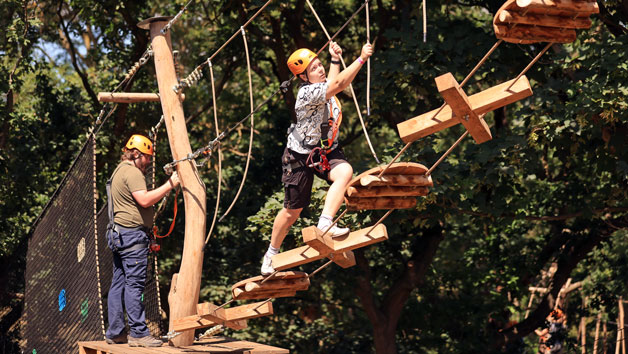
211 345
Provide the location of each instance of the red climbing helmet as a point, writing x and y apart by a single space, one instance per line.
299 60
140 142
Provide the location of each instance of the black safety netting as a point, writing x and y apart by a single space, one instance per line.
65 266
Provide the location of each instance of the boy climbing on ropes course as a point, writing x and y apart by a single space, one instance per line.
130 217
552 334
312 147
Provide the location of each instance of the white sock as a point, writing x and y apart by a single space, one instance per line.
324 222
272 251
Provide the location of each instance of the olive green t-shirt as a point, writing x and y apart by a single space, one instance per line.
126 211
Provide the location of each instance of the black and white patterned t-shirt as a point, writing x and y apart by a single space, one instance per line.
311 109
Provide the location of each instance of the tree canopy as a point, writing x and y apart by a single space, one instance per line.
542 204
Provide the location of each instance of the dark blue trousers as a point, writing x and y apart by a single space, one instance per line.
127 287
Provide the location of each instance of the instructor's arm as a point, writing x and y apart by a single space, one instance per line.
148 198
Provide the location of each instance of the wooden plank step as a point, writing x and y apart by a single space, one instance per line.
481 103
585 7
260 288
338 245
459 104
209 314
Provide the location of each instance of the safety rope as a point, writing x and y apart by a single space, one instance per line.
538 56
193 77
355 100
248 157
211 228
175 18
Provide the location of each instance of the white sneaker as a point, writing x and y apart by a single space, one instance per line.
267 267
336 231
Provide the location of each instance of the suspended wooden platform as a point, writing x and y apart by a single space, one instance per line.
338 249
531 21
282 284
208 314
464 110
396 189
213 345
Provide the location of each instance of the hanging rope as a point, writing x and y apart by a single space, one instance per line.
368 64
178 87
531 63
355 100
211 229
248 157
175 18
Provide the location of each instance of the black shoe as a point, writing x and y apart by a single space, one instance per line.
119 339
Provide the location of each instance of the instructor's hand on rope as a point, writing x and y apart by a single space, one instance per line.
335 51
367 51
174 180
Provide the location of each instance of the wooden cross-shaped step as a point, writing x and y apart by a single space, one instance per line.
463 109
282 284
208 314
338 249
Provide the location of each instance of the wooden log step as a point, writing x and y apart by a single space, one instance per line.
481 103
512 17
521 33
380 203
282 284
240 294
386 191
397 180
306 254
586 7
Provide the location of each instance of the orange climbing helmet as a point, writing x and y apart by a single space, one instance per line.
557 313
299 60
141 143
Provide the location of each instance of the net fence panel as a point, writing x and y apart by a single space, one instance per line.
61 303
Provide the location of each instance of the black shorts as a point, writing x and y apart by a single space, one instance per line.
298 178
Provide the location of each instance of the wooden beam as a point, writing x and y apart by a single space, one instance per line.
547 21
397 180
233 317
481 103
271 284
183 298
459 103
587 7
527 33
129 97
307 254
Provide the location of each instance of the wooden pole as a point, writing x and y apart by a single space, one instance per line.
597 332
604 337
182 299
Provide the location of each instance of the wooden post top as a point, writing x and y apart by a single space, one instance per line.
145 24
